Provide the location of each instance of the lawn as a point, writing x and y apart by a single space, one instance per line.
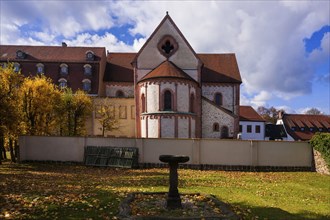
57 191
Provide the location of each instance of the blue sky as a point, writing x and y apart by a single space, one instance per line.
282 47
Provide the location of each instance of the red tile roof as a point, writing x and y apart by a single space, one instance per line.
218 68
167 70
303 127
119 68
49 53
247 113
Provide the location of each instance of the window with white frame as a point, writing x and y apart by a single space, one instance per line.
62 83
87 85
17 67
40 68
87 70
64 70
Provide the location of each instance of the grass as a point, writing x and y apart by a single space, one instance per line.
53 191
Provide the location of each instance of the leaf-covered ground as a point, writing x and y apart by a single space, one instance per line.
54 191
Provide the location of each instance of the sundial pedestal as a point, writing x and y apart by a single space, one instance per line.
173 199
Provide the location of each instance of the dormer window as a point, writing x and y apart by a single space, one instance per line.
90 55
86 85
40 68
88 70
64 69
16 67
62 83
20 54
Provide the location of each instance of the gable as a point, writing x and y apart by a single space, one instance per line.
247 113
182 55
303 127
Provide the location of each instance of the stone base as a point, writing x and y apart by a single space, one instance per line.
189 210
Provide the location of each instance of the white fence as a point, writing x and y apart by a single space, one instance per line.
200 151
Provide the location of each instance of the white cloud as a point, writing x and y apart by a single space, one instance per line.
261 98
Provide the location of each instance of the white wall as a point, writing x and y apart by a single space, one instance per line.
253 135
200 151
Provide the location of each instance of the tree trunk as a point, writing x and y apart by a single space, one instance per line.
1 146
11 149
17 151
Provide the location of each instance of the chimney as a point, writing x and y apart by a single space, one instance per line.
280 114
64 44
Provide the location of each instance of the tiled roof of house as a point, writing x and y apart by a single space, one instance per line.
247 113
119 68
167 70
49 53
218 68
303 127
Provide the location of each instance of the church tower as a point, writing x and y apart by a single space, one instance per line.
167 80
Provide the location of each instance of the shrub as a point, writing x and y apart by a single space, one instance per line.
321 143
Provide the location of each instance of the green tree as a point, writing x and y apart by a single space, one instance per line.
106 116
321 142
73 111
39 99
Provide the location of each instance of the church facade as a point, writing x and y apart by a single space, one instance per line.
177 92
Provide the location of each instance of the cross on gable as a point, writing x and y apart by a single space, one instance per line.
167 47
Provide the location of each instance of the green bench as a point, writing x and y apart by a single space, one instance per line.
125 157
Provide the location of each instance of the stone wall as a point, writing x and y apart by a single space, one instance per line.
209 91
168 124
211 115
152 98
127 89
183 127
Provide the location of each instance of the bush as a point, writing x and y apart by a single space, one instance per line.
321 143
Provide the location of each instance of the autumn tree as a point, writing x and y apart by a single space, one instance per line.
106 116
39 97
313 111
10 82
73 110
269 114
